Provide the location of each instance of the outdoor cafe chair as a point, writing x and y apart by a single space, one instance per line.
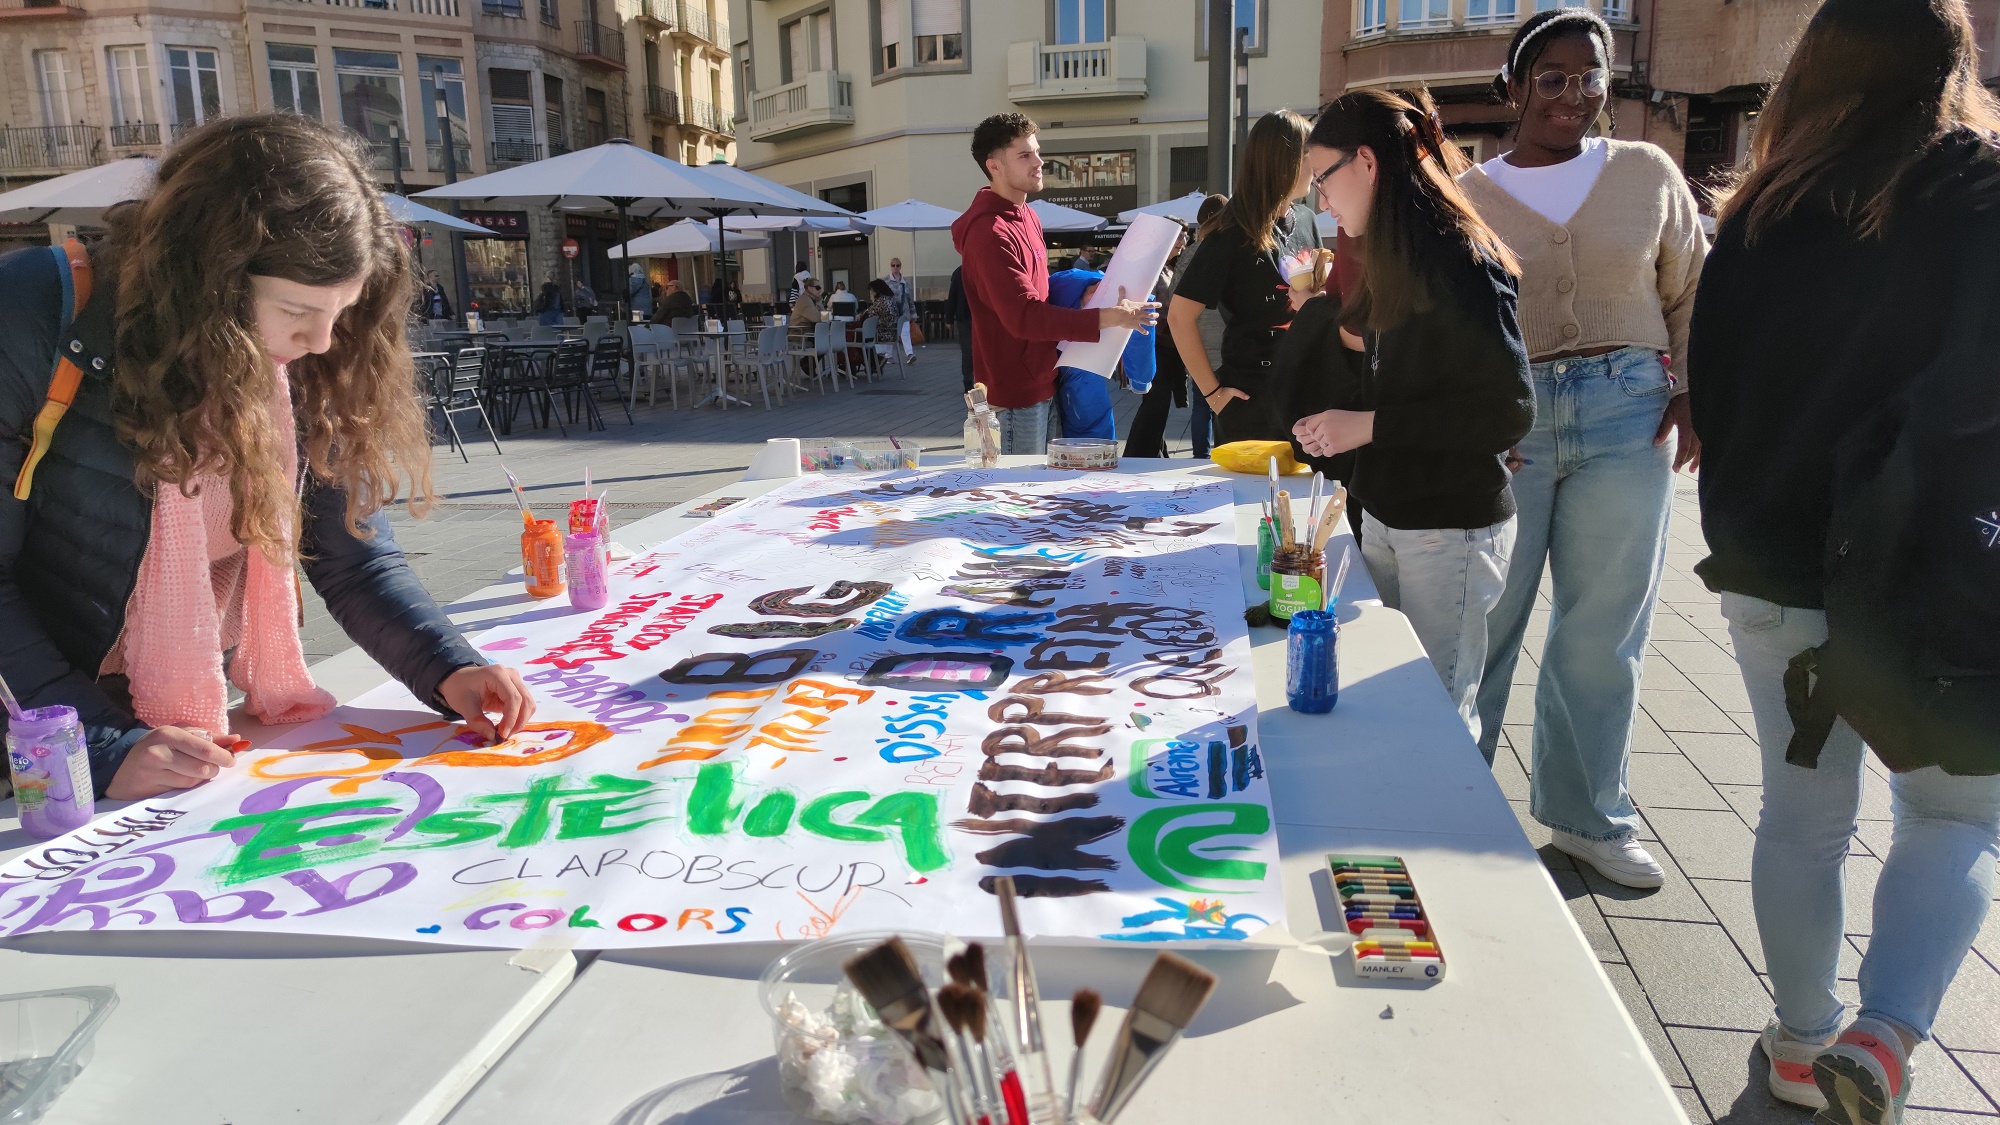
520 376
455 387
607 359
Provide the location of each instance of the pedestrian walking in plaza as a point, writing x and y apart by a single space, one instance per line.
638 291
437 304
1610 245
1843 352
1006 264
1238 268
242 406
906 306
1436 306
585 300
549 303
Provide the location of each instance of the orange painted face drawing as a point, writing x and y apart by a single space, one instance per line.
380 751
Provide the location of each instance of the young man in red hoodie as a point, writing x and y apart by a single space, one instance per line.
1006 272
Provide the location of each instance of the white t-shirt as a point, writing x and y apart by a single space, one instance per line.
1554 192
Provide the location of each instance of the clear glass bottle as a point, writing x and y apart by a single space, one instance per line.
982 438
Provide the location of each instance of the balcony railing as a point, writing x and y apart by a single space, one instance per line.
512 152
660 12
663 104
1115 68
127 136
460 153
37 9
821 100
695 20
596 42
59 146
447 8
511 9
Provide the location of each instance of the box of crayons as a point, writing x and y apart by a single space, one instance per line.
1392 932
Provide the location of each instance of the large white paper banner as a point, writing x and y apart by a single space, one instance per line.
849 704
1135 266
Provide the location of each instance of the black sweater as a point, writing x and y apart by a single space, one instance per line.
1794 341
1451 396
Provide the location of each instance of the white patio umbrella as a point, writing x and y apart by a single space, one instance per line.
621 176
80 197
911 215
1056 217
1182 209
409 212
806 206
685 237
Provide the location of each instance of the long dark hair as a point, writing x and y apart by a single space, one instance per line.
1420 219
1873 88
269 195
1272 156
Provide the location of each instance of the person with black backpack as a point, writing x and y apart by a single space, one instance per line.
1845 395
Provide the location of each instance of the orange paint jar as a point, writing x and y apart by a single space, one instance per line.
542 558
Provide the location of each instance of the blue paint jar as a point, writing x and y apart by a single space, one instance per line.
1312 665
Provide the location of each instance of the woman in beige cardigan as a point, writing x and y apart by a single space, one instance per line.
1610 245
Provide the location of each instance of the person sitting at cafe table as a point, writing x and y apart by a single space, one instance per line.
841 302
676 305
806 309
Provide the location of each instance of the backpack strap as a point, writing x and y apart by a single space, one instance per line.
73 265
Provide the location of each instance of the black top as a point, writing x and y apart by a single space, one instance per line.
961 303
1249 286
1451 395
1314 371
1795 340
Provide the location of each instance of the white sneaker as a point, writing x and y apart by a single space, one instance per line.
1791 1073
1621 860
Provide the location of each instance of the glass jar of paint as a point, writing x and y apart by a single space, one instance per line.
1297 574
1312 663
585 557
51 766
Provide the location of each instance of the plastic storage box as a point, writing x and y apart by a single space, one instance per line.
46 1039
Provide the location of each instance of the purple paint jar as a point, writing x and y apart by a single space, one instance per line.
589 570
51 767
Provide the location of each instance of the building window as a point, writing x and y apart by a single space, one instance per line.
196 85
889 27
453 77
513 108
371 93
131 78
52 86
294 78
596 117
1491 11
1103 183
1082 21
1371 17
1418 14
1251 15
808 43
549 14
1187 170
552 111
1545 5
1618 11
744 81
940 31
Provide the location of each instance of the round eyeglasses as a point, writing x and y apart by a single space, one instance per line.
1592 83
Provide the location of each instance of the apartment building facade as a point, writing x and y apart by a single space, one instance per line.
870 102
83 82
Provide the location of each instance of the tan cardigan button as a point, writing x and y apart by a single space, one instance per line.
1570 331
1559 237
1565 285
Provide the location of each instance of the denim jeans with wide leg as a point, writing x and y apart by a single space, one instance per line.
1936 882
1593 504
1027 429
1445 581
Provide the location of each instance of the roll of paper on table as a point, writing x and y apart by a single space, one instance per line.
1312 666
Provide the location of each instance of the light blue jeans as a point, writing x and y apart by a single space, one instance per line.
1445 581
1594 504
1027 429
1936 882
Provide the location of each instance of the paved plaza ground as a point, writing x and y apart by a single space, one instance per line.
1685 958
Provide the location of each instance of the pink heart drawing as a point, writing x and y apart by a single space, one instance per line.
505 644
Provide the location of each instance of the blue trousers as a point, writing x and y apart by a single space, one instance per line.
1085 400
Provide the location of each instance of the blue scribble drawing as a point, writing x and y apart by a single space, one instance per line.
1200 919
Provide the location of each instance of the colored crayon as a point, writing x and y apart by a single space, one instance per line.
1384 912
1414 949
1385 899
1372 880
1367 865
1418 946
1413 925
1375 885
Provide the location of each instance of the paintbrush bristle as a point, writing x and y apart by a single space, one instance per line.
954 1000
885 974
1083 1009
975 964
960 971
975 1015
1174 990
1010 922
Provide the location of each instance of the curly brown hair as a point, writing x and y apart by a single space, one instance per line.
271 195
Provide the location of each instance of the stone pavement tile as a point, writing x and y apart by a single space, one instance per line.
1661 674
1674 900
1650 1029
1693 974
1724 689
1914 1116
1874 797
1874 835
1985 1070
1670 781
1703 610
1670 626
1730 1072
1706 845
1508 772
1648 738
1589 919
1862 872
1523 739
1730 901
1942 1084
1520 706
1969 1019
1696 657
1727 758
1686 711
1682 590
1697 1113
1747 800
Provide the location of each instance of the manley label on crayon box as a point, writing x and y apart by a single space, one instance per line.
1384 952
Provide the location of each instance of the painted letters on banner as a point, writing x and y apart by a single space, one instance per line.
849 704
